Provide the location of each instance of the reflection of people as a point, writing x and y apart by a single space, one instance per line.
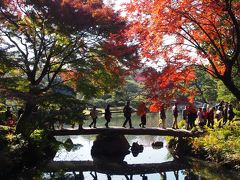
109 177
176 175
107 115
94 175
163 175
129 178
144 177
94 115
127 110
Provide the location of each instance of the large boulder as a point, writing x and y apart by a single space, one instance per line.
110 147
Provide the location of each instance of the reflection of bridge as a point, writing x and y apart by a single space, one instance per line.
115 168
131 131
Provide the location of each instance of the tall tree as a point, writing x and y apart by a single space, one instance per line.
47 39
189 32
205 87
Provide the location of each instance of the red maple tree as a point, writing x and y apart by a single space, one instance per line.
186 34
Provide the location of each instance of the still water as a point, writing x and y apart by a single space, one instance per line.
82 152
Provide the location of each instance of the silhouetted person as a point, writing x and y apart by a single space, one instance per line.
185 113
219 116
107 115
94 115
210 117
225 113
162 115
201 121
192 115
231 114
175 116
220 105
205 115
127 110
142 111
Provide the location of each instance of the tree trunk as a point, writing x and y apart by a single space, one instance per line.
228 82
25 124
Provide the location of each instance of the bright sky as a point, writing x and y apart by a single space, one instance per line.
117 3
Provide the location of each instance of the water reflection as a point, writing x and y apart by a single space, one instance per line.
100 176
93 169
149 156
145 165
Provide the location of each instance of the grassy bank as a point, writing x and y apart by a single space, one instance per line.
220 145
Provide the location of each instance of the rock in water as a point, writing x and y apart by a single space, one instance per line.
157 145
111 147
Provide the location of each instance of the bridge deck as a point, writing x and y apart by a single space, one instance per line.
128 131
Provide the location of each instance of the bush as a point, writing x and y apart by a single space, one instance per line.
220 145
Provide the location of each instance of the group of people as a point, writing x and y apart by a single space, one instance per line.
94 116
205 115
127 111
222 112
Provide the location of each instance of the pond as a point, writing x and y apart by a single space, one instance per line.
149 156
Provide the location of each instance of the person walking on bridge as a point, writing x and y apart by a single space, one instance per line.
162 115
94 115
127 110
175 116
142 112
107 115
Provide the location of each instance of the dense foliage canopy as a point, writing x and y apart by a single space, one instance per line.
45 44
179 36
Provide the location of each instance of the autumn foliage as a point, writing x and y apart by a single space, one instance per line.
50 44
181 35
70 39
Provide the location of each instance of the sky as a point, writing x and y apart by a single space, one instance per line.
116 2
